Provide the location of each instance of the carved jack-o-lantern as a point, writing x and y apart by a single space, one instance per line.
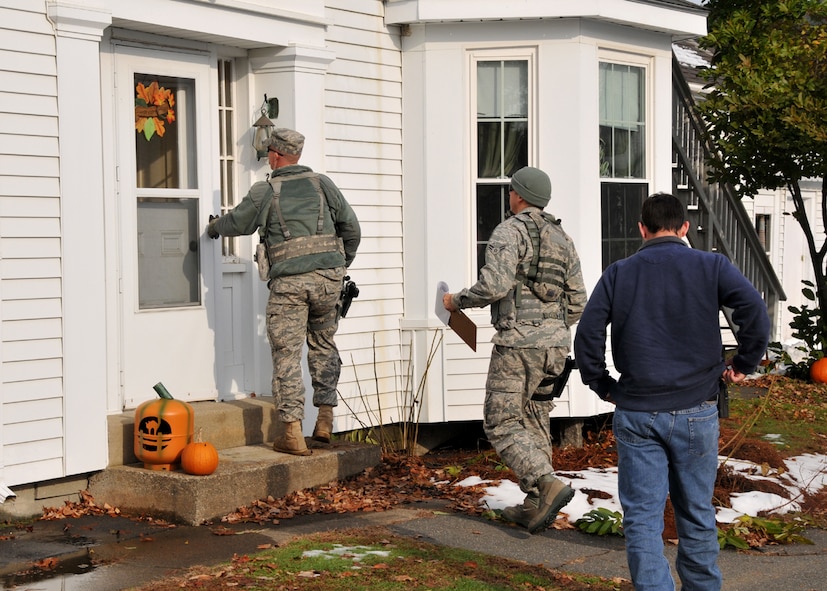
162 429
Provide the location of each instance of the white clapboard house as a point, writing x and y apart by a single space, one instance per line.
124 125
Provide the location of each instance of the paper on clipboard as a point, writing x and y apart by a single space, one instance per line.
458 321
439 308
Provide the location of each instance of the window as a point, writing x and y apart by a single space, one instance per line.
227 154
762 227
502 138
622 137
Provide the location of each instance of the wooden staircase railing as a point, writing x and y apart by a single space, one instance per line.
718 220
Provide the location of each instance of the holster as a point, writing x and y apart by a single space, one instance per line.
723 400
349 291
551 387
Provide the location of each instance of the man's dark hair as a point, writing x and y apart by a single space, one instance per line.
662 211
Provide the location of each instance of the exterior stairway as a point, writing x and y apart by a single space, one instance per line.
718 219
248 469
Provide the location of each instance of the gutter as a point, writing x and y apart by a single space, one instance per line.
5 493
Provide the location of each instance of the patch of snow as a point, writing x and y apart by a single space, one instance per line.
774 438
689 57
355 553
471 481
805 474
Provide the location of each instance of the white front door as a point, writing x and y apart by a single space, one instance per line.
166 270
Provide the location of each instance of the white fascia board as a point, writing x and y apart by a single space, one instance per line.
250 21
662 18
308 11
81 21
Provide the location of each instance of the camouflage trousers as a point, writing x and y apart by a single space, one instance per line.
517 427
303 308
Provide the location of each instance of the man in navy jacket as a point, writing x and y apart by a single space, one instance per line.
663 306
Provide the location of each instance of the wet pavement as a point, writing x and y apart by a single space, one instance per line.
101 553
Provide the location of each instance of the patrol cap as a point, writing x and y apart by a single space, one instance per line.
286 141
533 185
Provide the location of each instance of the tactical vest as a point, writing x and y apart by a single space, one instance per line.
539 293
296 246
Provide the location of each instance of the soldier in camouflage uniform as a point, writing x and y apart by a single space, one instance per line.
533 283
311 234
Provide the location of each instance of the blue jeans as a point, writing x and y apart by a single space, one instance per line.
675 453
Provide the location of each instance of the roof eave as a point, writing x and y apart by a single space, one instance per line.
650 15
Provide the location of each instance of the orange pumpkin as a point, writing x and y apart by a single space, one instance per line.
199 458
818 371
163 427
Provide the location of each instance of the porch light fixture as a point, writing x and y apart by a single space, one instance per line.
263 126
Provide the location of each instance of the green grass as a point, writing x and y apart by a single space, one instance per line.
378 560
795 410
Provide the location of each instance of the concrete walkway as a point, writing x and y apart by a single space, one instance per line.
133 553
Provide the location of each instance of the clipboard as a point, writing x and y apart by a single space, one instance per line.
465 328
458 321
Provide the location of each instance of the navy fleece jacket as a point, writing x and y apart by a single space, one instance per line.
662 304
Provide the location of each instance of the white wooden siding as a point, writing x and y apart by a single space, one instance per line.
31 309
466 371
363 128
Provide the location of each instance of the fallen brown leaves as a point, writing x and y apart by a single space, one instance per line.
397 480
86 506
47 563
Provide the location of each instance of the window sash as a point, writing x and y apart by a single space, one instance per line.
622 90
620 205
503 135
227 151
762 228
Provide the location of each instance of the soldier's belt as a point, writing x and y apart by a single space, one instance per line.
305 245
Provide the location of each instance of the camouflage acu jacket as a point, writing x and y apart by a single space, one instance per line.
522 319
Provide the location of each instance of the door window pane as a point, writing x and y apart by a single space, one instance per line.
168 261
165 146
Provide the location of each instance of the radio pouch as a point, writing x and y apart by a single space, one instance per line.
262 260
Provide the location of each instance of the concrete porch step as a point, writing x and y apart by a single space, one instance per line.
244 474
242 431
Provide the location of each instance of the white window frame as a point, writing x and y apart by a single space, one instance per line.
475 56
646 63
228 160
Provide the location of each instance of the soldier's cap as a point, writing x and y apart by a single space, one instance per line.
286 141
533 185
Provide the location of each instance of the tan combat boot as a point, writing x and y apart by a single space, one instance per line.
324 424
522 514
292 440
554 495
